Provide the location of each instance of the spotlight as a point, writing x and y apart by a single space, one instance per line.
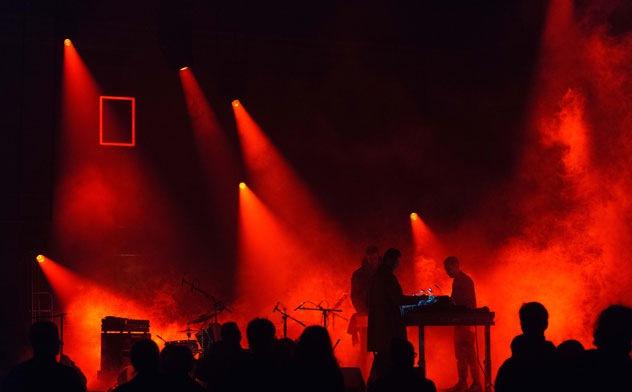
184 68
40 258
67 42
236 103
242 185
414 216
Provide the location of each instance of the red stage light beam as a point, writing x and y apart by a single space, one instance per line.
269 255
214 151
284 192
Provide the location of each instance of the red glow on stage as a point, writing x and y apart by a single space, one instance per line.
569 206
86 302
132 102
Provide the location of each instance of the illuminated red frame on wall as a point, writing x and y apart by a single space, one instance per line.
106 97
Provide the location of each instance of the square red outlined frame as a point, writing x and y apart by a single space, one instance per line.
102 98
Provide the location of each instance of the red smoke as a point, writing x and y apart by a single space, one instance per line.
566 213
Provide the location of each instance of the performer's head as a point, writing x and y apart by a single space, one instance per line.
371 256
534 319
452 266
391 258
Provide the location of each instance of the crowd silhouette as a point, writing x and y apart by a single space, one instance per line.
309 364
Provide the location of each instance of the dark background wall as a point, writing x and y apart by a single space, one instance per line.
381 108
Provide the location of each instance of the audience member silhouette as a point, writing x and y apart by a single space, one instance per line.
176 362
262 371
533 365
145 359
222 366
284 351
570 354
42 372
315 366
402 375
570 350
609 366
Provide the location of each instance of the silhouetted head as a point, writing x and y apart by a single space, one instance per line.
285 348
613 332
402 353
452 266
534 319
44 339
570 350
391 258
518 345
144 356
261 335
314 344
176 360
371 256
230 333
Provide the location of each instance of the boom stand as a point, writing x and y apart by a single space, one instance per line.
285 317
325 312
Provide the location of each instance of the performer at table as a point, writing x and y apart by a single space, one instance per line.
360 281
463 294
385 317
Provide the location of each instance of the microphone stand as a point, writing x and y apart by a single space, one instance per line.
319 308
336 306
285 317
217 305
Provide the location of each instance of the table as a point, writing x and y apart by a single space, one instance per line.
454 317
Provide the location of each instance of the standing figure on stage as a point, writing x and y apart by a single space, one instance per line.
385 317
463 294
360 282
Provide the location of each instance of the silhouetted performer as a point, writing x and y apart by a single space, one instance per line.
360 282
385 318
223 365
315 366
145 358
609 367
42 372
464 295
533 365
401 374
176 362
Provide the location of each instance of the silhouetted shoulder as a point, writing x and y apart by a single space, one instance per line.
34 376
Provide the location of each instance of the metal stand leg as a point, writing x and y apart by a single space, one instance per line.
422 354
488 359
